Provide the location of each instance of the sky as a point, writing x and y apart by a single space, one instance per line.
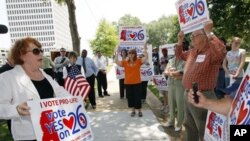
90 12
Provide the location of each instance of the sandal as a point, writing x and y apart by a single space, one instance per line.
133 114
140 114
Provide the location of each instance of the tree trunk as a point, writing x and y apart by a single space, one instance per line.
73 25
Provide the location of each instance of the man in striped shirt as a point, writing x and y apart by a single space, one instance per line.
202 65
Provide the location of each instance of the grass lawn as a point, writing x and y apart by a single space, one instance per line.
4 133
155 91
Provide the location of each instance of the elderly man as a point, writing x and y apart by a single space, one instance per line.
202 65
60 62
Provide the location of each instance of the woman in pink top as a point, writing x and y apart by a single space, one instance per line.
132 78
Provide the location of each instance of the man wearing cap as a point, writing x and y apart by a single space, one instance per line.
60 62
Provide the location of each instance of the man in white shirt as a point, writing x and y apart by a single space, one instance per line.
60 62
101 64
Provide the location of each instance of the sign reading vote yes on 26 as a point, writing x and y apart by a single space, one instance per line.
60 119
134 35
192 14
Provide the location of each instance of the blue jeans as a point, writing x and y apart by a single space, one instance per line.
220 84
227 82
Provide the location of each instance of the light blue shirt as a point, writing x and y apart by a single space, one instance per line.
90 66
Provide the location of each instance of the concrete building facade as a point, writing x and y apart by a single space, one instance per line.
47 21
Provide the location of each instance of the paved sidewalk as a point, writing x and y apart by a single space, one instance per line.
111 120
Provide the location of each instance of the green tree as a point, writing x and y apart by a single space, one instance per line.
72 23
231 18
106 38
163 31
128 20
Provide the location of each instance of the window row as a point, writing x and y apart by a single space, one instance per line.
47 33
18 5
33 28
29 11
28 17
20 23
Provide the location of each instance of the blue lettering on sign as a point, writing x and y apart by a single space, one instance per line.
193 10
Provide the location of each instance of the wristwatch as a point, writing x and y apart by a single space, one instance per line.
210 34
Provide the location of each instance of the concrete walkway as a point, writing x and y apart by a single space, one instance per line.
111 120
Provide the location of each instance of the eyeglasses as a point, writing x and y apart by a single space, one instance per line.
193 36
36 51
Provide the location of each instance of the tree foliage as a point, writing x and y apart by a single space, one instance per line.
163 31
105 38
72 23
231 18
128 20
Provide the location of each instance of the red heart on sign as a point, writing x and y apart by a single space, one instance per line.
242 113
190 11
68 123
132 36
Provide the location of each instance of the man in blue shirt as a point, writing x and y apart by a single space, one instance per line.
90 73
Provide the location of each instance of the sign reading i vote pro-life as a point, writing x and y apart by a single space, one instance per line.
60 119
192 14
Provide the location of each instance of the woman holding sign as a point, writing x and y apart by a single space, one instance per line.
132 78
25 82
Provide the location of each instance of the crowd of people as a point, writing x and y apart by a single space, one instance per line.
43 78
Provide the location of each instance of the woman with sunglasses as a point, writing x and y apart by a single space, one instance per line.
132 78
25 82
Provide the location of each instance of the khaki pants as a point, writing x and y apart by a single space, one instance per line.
176 102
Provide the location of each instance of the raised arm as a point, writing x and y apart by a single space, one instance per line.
218 48
119 63
145 58
179 47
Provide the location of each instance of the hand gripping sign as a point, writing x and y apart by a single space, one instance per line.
192 14
60 119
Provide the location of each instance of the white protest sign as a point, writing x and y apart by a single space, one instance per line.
132 35
60 119
192 14
240 110
146 72
216 128
138 48
160 82
170 48
120 74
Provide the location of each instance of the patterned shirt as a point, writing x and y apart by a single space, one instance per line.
233 61
202 66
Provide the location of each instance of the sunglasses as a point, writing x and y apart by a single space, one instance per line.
36 51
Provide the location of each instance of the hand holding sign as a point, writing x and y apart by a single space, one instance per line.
208 26
181 37
23 109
